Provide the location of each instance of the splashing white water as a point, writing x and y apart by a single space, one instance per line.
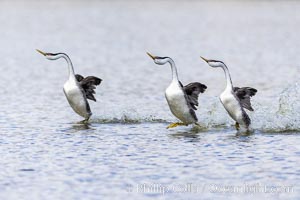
287 116
276 114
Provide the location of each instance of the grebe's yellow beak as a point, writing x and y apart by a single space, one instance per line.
153 57
43 53
204 59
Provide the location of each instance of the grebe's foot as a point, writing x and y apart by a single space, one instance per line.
173 125
198 125
237 126
85 121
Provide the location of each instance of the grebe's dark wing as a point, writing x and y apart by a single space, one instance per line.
88 84
79 77
192 92
244 94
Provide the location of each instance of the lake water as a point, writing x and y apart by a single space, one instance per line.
126 150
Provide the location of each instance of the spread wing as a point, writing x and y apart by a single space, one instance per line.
88 84
192 92
244 95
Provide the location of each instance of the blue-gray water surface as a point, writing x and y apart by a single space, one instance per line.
125 151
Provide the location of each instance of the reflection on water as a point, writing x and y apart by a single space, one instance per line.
78 127
242 137
186 135
81 126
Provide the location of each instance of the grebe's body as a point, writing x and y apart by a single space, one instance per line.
234 108
77 99
235 100
182 100
77 88
178 104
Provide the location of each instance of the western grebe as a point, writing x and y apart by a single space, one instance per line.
235 99
182 100
77 88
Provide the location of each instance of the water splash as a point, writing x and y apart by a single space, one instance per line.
127 116
289 108
272 114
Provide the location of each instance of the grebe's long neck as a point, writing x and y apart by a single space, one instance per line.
228 78
70 66
174 70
